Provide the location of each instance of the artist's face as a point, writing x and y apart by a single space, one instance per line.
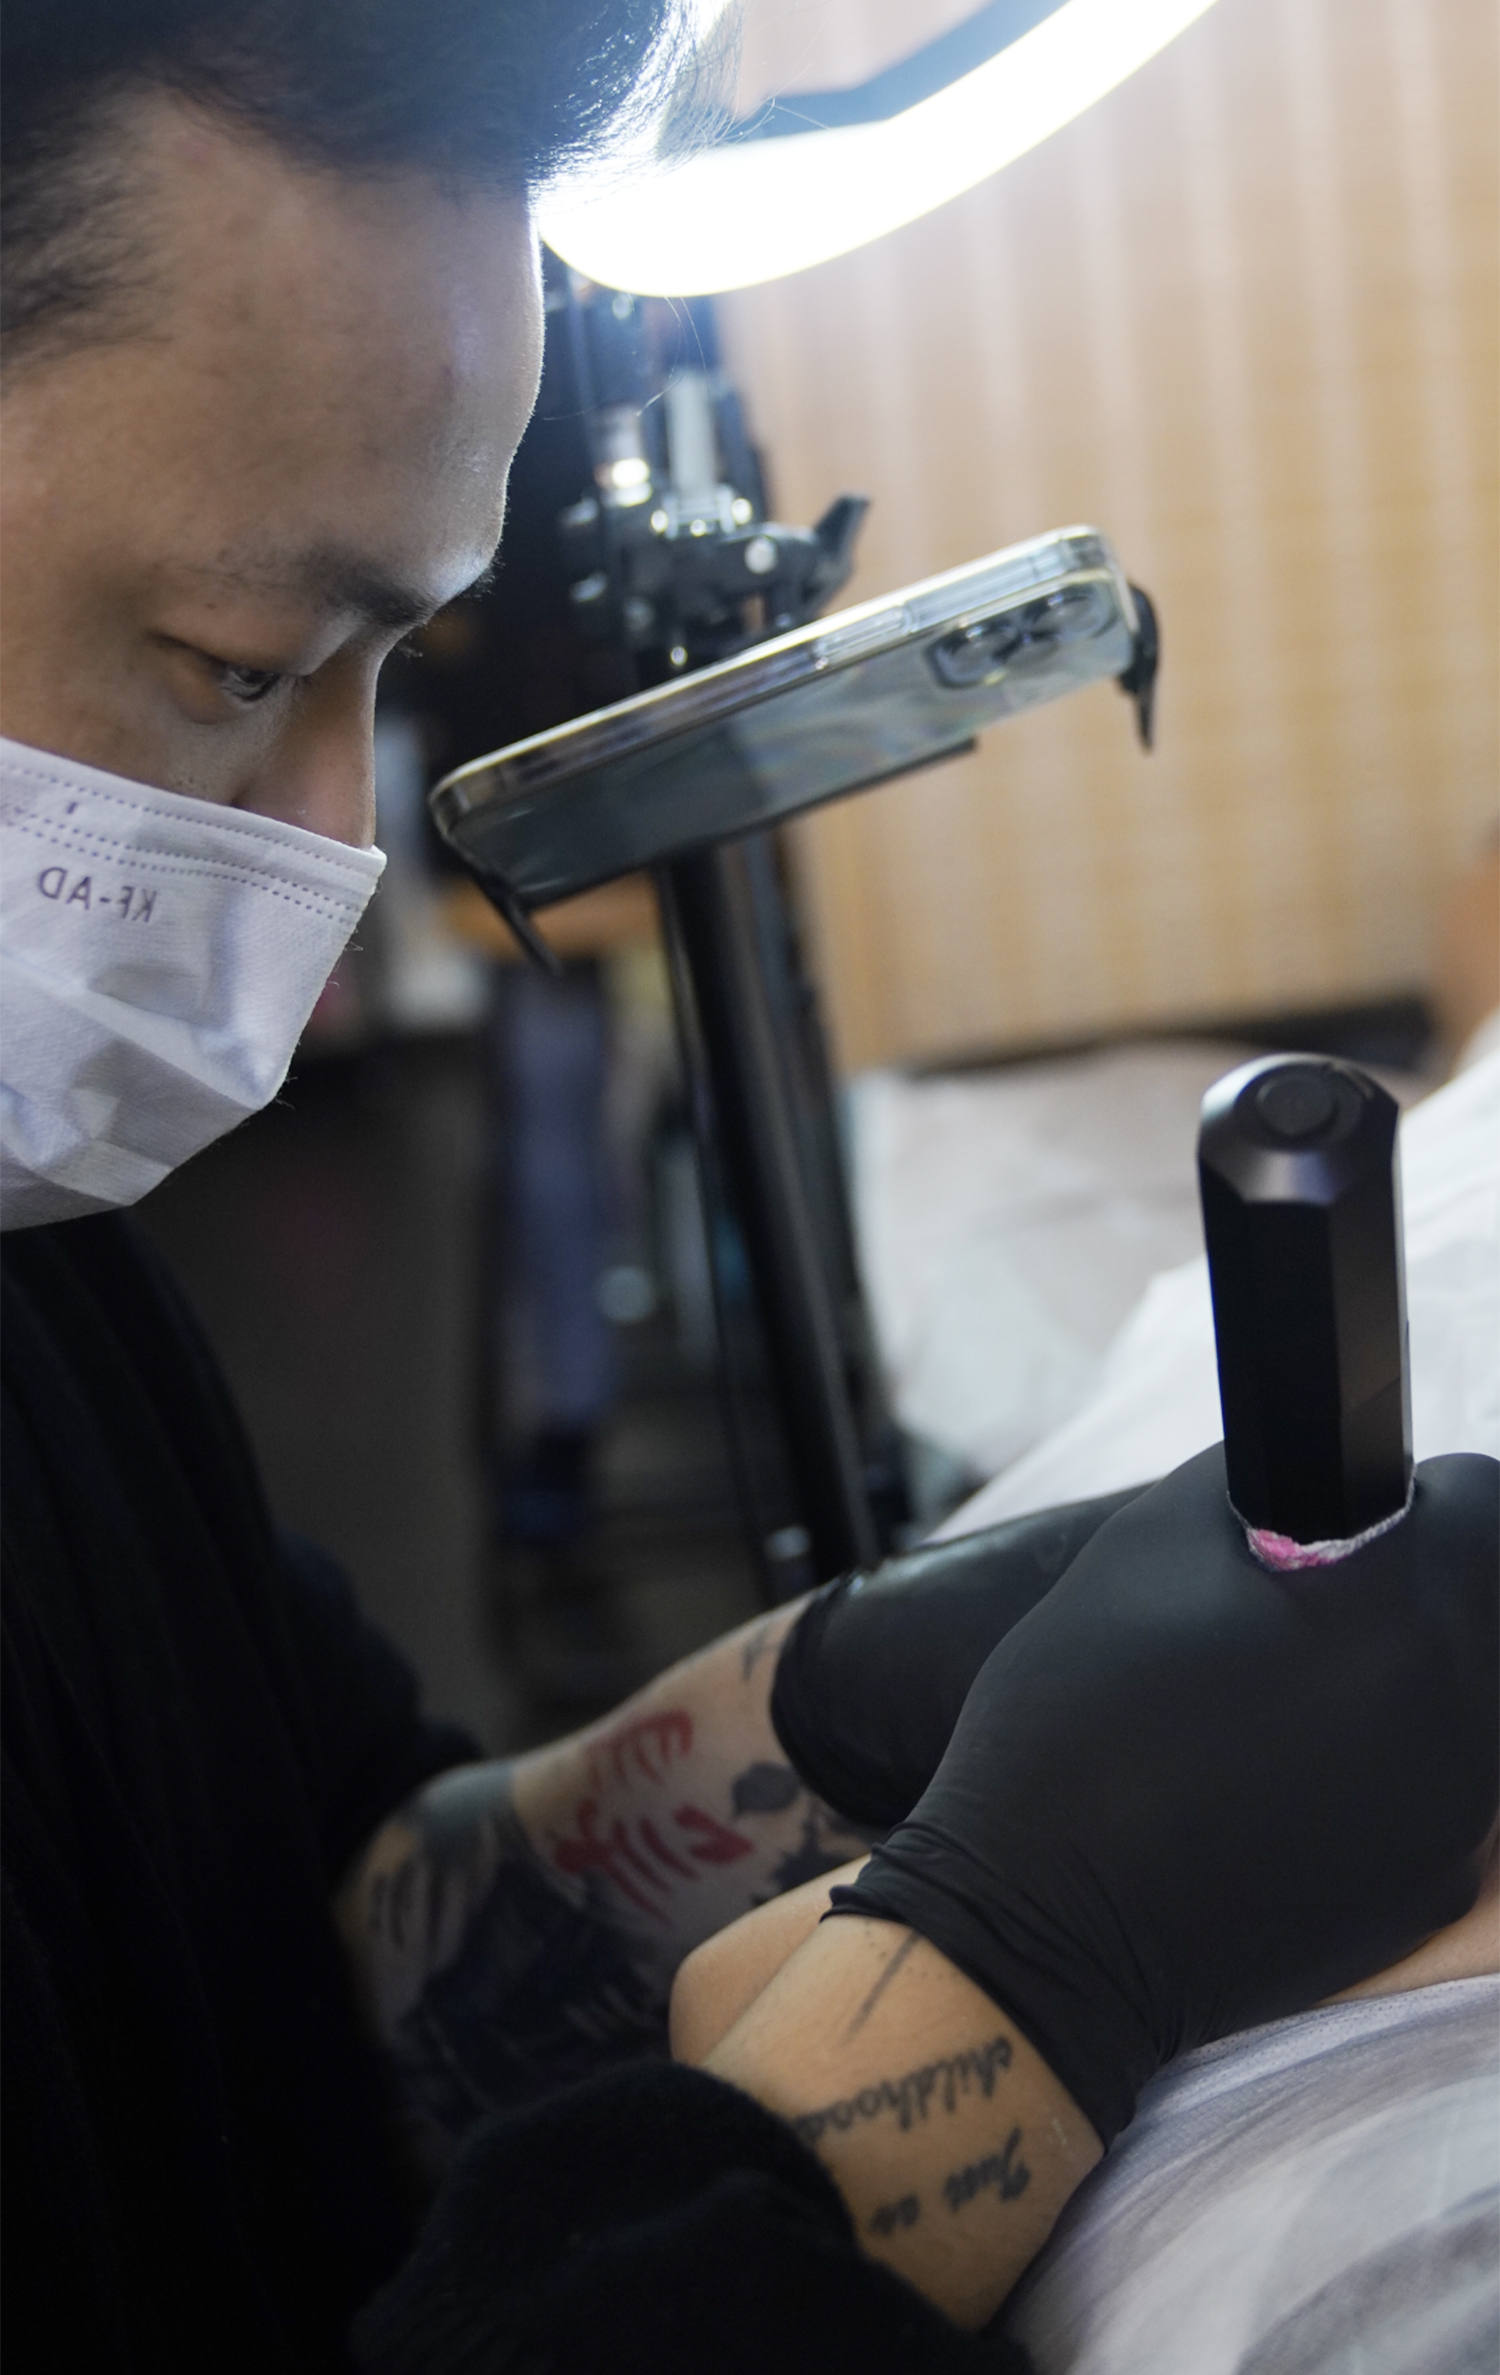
214 532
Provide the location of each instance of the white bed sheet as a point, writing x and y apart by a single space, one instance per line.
1010 1220
1317 2197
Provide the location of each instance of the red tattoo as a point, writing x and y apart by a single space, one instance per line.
632 1853
611 1855
659 1847
643 1749
636 1859
716 1844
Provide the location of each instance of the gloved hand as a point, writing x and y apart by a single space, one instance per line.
1186 1795
872 1676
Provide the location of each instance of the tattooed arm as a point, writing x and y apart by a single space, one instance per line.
519 1924
953 2144
720 1980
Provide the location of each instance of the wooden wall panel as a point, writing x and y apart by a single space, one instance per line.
1242 315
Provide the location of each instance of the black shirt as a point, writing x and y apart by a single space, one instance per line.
199 1732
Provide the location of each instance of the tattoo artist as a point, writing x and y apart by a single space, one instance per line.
281 1957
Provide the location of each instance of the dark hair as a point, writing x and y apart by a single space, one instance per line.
506 93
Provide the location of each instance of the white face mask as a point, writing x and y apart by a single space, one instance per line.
159 957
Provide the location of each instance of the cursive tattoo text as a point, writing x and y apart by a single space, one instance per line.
910 2097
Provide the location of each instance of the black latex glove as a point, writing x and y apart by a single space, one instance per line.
873 1674
1186 1795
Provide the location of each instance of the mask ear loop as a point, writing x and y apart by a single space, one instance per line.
507 904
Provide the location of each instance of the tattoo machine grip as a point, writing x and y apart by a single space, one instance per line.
1299 1175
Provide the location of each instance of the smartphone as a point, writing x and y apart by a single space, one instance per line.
830 708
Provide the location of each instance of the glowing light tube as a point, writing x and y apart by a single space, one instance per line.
757 210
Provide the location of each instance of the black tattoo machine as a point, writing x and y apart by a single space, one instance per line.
1299 1175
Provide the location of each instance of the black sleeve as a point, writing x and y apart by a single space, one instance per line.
654 2222
369 1742
65 2286
350 1696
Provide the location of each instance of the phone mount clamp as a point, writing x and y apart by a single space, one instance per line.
674 561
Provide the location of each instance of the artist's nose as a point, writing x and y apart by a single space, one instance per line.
321 773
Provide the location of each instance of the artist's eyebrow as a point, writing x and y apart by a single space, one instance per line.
344 582
340 581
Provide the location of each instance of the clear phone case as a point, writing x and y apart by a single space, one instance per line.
830 708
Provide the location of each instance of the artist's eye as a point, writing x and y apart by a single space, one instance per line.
248 685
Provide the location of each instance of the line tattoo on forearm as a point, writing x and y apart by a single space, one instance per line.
881 1984
910 2097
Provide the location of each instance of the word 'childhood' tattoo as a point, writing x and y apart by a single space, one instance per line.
910 2097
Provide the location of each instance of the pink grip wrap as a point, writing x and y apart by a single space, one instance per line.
1284 1556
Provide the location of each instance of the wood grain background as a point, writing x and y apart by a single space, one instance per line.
1241 315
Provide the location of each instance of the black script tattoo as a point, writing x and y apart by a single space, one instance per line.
891 2215
1004 2170
911 2096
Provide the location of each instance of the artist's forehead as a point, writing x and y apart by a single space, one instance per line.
389 295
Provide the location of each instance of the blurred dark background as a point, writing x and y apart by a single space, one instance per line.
336 1249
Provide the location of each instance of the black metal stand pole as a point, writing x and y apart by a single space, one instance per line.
708 913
